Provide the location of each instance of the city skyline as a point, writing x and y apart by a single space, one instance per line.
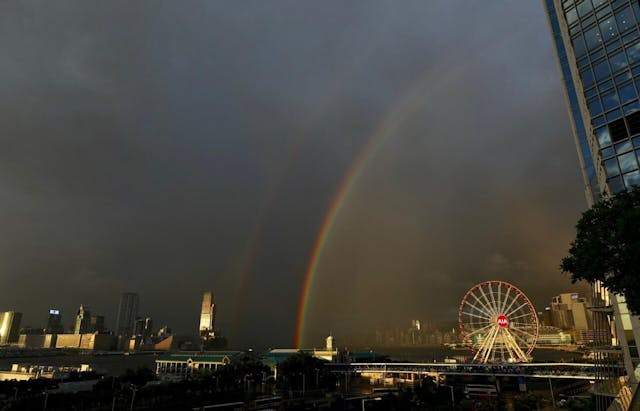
86 322
378 158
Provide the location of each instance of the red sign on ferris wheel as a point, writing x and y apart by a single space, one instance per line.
503 321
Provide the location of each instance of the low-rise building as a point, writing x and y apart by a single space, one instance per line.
183 365
37 341
95 341
553 336
24 372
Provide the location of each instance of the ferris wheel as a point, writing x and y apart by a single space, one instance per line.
498 322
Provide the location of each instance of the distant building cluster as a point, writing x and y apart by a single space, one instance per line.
417 334
567 320
88 331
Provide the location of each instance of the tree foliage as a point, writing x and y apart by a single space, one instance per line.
301 363
243 368
607 247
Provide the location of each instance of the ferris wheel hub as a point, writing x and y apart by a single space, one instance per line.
503 321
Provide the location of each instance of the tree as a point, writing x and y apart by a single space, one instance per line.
243 368
303 367
607 247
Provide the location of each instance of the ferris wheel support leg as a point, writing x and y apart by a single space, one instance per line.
520 355
493 342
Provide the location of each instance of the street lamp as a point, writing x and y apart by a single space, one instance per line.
304 383
369 399
133 396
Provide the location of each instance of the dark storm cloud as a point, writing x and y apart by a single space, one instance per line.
144 142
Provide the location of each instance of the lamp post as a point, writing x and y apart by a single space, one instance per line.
46 398
133 396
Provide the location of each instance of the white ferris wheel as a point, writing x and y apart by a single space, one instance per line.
498 322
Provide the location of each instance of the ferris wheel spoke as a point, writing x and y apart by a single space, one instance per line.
520 316
478 331
523 332
482 307
506 299
487 301
524 341
494 304
524 304
486 308
499 296
511 304
522 325
479 309
478 316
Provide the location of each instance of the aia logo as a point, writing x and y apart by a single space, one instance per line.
502 321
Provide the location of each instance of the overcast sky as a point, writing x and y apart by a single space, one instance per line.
171 148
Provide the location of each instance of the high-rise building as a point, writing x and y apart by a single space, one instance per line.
96 324
568 311
9 326
597 43
127 314
207 316
82 320
54 322
144 327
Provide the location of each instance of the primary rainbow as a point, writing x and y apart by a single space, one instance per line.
402 108
355 169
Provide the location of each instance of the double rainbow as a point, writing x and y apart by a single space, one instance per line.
403 108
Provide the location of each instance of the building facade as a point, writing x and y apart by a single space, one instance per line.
568 312
208 316
9 327
127 314
184 365
96 324
597 43
144 327
54 322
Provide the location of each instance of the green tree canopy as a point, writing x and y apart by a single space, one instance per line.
607 247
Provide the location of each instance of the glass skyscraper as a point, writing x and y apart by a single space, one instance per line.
127 314
597 43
